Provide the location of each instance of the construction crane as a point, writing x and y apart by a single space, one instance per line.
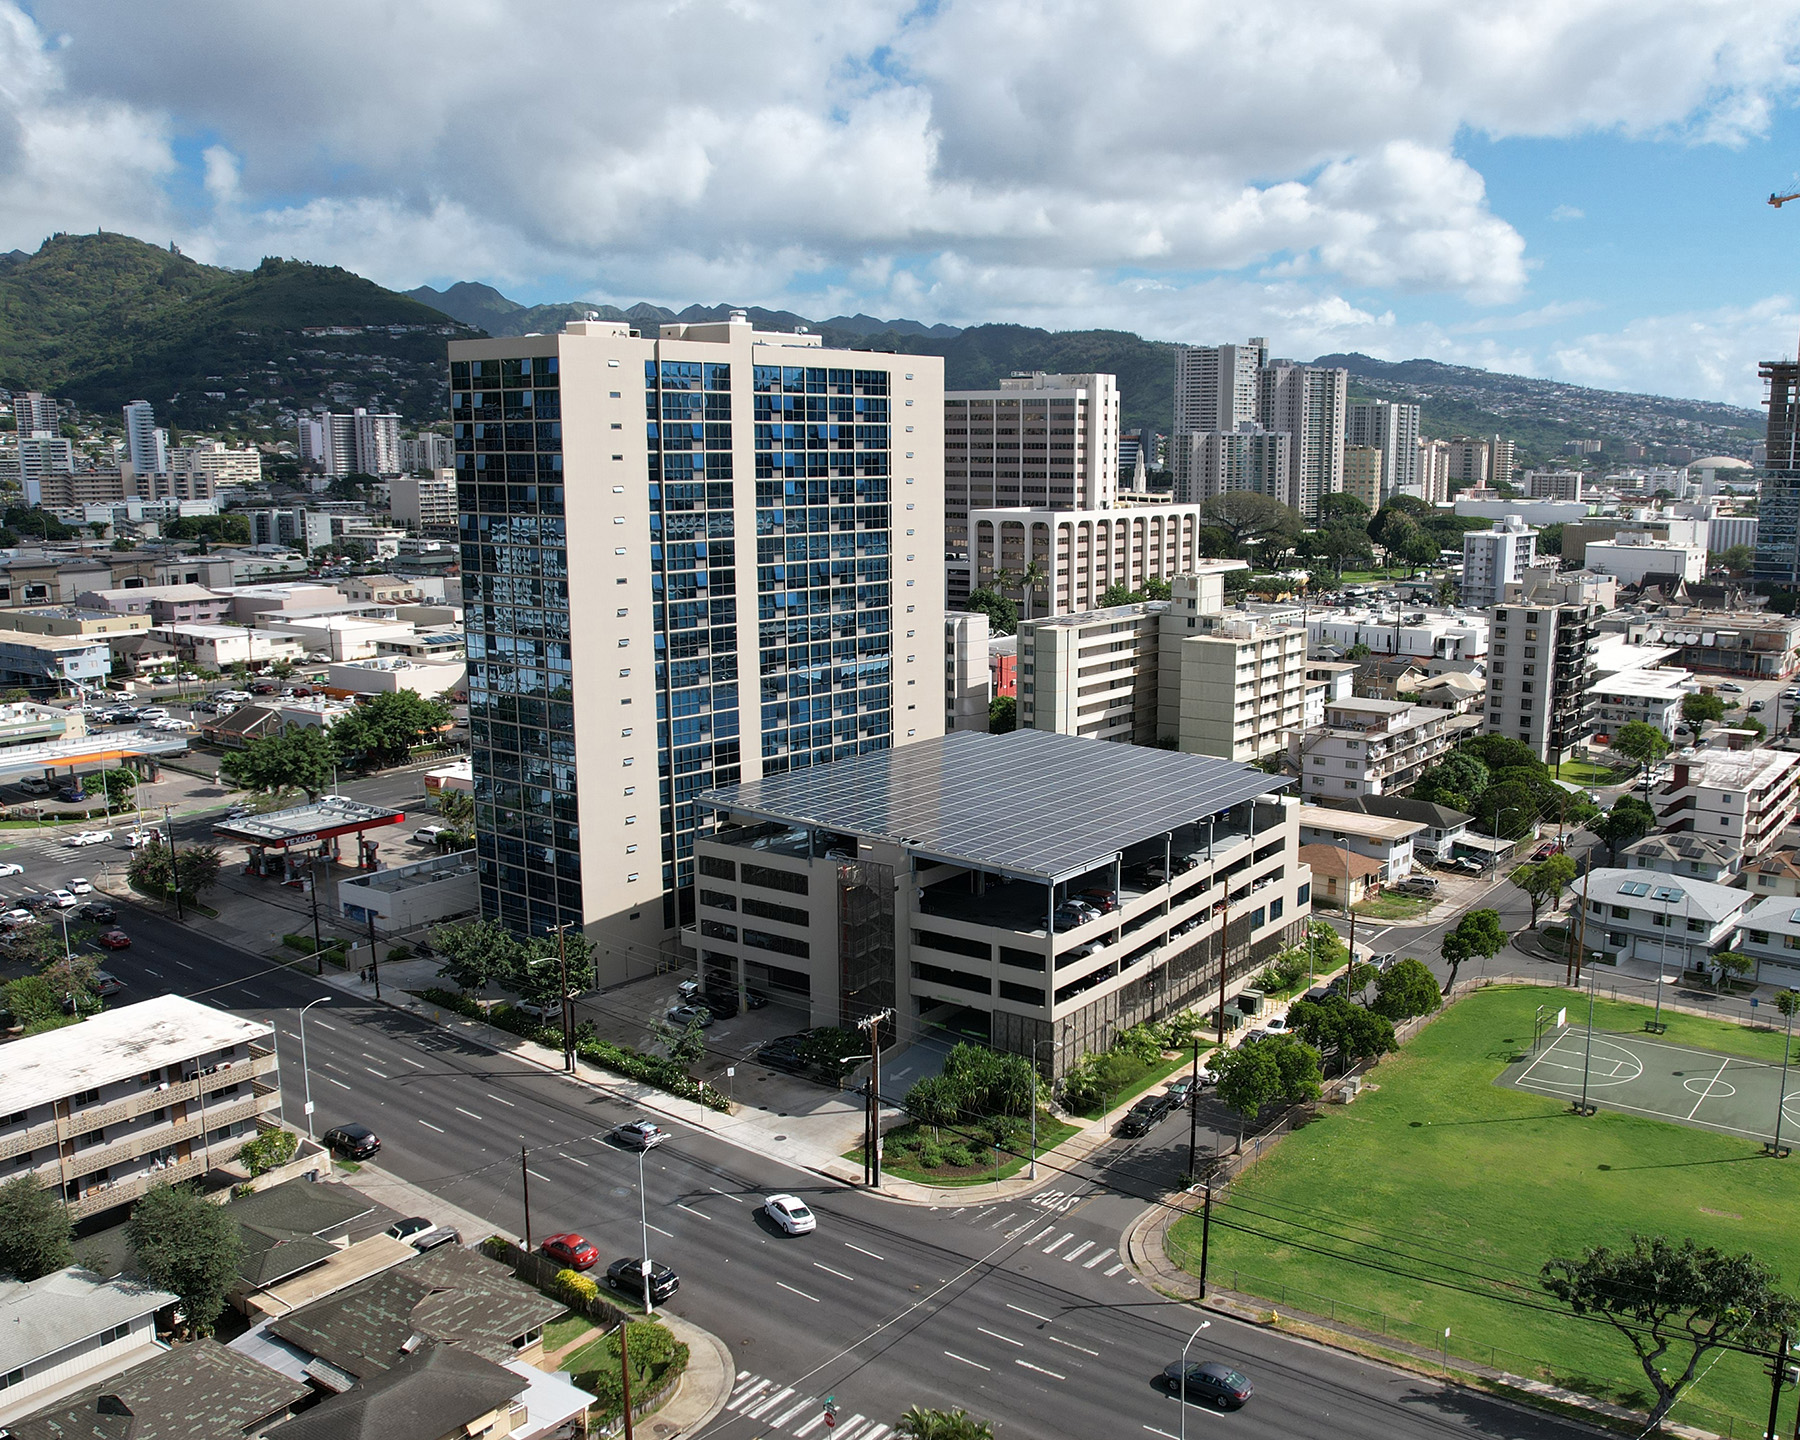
1779 200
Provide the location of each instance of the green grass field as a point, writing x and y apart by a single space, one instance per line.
1587 772
1439 1167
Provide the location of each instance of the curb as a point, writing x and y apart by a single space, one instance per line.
691 1413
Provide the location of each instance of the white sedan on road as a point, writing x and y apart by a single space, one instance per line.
88 837
10 869
791 1214
78 885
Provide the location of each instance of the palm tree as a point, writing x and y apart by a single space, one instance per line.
1031 578
917 1424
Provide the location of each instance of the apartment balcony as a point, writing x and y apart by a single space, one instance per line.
122 1192
160 1137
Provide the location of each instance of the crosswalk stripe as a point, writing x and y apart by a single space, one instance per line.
876 1433
811 1425
1079 1250
787 1415
847 1431
1050 1249
737 1402
1099 1255
1040 1235
1003 1219
763 1407
1115 1269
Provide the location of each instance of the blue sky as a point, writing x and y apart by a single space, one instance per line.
1571 188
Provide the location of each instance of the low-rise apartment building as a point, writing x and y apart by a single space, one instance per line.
1440 827
146 1093
1371 747
1650 696
1082 554
1776 873
1743 798
932 879
1230 684
1094 674
1389 843
1675 923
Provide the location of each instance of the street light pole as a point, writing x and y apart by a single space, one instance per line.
305 1074
1036 1046
1781 1104
1587 1062
644 1233
1181 1385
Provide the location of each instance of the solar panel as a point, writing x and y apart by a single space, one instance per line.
1030 803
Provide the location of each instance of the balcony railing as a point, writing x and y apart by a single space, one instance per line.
121 1192
161 1137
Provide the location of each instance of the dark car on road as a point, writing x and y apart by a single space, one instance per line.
1144 1116
91 911
353 1141
1211 1382
628 1275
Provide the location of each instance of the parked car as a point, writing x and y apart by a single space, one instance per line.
16 918
628 1275
688 989
1463 865
240 812
35 785
1105 901
106 983
640 1134
84 838
73 795
428 834
1756 705
409 1227
155 712
1382 961
1146 1115
353 1141
437 1235
1073 913
755 999
113 939
572 1250
1210 1381
1731 687
722 1003
779 1056
1276 1025
791 1214
689 1014
1180 1089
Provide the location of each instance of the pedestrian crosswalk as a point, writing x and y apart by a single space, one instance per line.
1019 1222
784 1409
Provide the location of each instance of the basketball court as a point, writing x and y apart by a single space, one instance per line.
1641 1075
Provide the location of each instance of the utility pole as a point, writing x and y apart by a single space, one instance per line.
525 1181
374 959
1581 923
562 966
312 888
174 869
1205 1236
625 1364
872 1100
1777 1377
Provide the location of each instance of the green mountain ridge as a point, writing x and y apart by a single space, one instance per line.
104 319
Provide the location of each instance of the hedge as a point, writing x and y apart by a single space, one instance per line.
268 1151
657 1362
304 943
574 1289
657 1070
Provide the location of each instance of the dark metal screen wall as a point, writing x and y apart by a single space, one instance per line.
865 939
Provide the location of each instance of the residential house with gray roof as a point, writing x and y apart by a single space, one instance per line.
69 1329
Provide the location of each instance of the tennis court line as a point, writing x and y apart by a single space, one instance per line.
1668 1115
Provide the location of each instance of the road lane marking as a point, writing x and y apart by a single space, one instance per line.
801 1293
1040 1370
320 1023
1164 1433
184 965
507 1103
330 1081
998 1336
860 1251
1067 1236
573 1161
470 1113
376 1073
367 1056
1032 1313
1114 1271
414 1063
544 1178
995 1225
829 1271
692 1211
339 1068
764 1406
660 1231
1071 1345
735 1199
156 973
1079 1250
967 1361
429 1126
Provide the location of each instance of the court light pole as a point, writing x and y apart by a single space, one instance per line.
1587 1062
1788 1001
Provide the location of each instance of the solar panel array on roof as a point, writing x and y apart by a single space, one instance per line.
1031 803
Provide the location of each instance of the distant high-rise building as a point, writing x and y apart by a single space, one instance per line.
147 448
377 439
1363 470
1434 471
1393 429
1210 462
1500 461
425 452
1494 559
1778 512
35 413
1308 403
1217 386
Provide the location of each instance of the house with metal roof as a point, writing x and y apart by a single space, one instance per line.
1671 922
1023 888
1683 853
1375 837
69 1329
1772 939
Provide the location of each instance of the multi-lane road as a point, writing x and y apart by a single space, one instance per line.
1020 1311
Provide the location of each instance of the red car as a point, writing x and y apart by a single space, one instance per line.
572 1250
1544 852
113 940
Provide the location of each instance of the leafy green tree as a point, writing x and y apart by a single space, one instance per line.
1406 989
120 783
1544 880
918 1424
1003 715
1003 615
1358 651
1502 752
1338 507
1629 821
384 730
1507 810
1730 962
296 758
1457 781
1698 709
1115 595
685 1044
1479 932
1155 589
197 868
1737 559
1032 579
1643 744
268 1151
1550 540
188 1245
1250 518
34 1005
1261 1073
476 954
1673 1304
1336 1026
35 1227
1446 592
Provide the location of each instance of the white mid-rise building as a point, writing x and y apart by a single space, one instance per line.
1080 554
424 502
1648 694
1540 665
1631 556
1038 441
377 443
1746 798
1494 559
1553 484
1231 684
968 687
1371 747
146 447
1092 674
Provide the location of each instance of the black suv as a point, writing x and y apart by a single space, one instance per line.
1144 1116
628 1275
353 1142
